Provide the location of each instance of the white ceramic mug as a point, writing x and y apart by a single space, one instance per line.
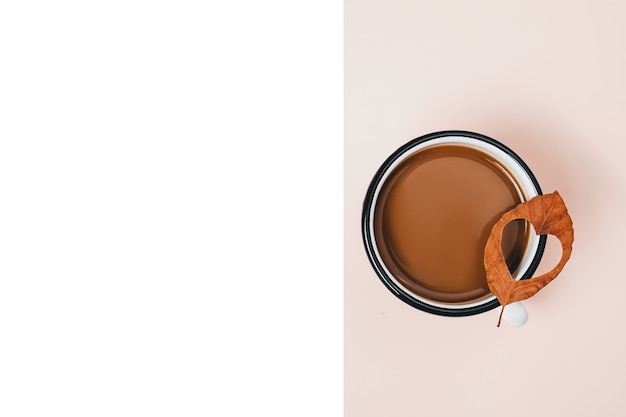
520 175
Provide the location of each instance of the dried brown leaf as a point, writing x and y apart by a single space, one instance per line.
548 215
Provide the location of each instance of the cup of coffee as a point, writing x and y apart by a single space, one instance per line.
428 213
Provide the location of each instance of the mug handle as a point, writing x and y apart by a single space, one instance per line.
515 314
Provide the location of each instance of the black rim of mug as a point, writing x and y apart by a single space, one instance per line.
400 292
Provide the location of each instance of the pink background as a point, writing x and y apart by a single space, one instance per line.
548 79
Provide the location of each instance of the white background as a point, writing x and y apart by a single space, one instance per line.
170 208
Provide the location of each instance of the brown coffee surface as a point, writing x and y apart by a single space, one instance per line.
434 215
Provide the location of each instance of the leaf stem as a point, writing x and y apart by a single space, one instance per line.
500 318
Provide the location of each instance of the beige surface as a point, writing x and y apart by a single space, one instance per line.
549 80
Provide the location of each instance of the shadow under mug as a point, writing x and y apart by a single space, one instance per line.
515 170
